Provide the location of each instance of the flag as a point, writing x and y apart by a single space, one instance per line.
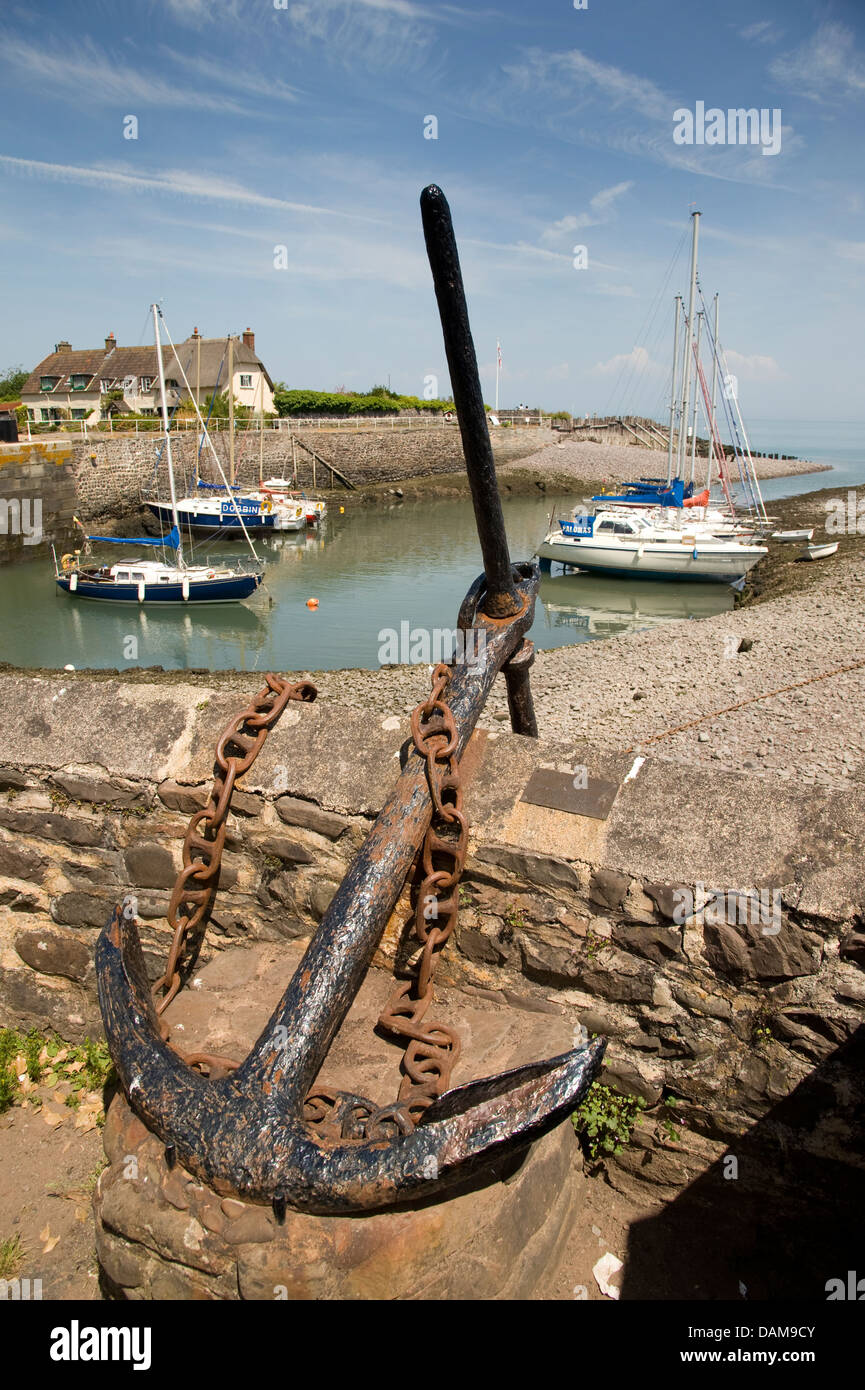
499 354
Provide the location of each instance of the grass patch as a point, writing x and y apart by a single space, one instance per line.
12 1254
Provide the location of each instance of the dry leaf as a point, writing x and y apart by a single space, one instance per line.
75 1066
61 1056
48 1241
52 1117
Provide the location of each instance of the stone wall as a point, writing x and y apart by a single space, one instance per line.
111 470
563 913
37 496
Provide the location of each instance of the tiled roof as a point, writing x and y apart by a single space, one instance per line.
120 362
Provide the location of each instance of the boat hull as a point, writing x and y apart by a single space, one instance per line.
229 590
686 562
262 523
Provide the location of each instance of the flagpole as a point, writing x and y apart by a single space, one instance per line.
498 369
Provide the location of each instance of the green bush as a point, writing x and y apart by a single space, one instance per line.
377 401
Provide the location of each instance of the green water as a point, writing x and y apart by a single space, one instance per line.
372 570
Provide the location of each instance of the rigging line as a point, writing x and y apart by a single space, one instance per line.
231 496
651 311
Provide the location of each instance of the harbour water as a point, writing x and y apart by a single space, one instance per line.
386 580
380 576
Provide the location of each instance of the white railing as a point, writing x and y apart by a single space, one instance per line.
126 425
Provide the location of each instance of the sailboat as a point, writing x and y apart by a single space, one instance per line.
157 581
660 527
229 509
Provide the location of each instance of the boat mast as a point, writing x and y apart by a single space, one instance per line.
686 374
231 410
714 397
174 517
677 310
261 430
696 399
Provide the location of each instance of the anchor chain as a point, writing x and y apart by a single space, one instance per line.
195 888
432 1049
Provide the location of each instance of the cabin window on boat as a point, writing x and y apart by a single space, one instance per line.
122 575
607 526
163 578
136 574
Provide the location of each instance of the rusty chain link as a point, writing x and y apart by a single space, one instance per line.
432 1049
237 749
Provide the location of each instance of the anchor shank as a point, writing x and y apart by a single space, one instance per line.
501 600
328 977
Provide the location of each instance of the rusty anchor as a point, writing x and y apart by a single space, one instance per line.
253 1130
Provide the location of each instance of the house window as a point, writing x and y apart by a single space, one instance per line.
171 383
105 385
79 414
47 383
78 381
245 380
50 416
31 414
146 383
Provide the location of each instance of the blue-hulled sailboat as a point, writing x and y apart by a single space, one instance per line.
157 581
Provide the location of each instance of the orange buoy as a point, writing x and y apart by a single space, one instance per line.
312 603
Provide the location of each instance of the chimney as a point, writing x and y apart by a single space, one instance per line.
63 346
249 339
110 343
195 333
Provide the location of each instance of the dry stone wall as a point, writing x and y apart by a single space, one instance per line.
561 914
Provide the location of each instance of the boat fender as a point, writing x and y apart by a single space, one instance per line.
73 583
141 591
211 574
184 588
67 562
694 553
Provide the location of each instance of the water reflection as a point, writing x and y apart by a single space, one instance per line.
371 569
592 606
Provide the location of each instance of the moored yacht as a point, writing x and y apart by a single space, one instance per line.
620 543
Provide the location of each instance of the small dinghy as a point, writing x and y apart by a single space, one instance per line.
818 552
786 536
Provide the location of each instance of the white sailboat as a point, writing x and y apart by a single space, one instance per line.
133 580
616 543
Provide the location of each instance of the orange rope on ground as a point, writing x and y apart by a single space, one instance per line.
728 709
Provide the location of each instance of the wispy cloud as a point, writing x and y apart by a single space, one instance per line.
850 250
600 210
92 76
580 100
826 68
182 183
763 31
240 79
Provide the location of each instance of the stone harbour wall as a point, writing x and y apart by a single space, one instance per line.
37 496
110 470
561 913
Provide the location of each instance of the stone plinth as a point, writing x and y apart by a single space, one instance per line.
162 1234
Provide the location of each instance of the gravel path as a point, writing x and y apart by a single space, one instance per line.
627 462
620 693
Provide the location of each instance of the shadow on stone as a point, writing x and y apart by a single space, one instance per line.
786 1224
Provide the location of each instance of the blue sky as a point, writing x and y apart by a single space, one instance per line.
303 127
